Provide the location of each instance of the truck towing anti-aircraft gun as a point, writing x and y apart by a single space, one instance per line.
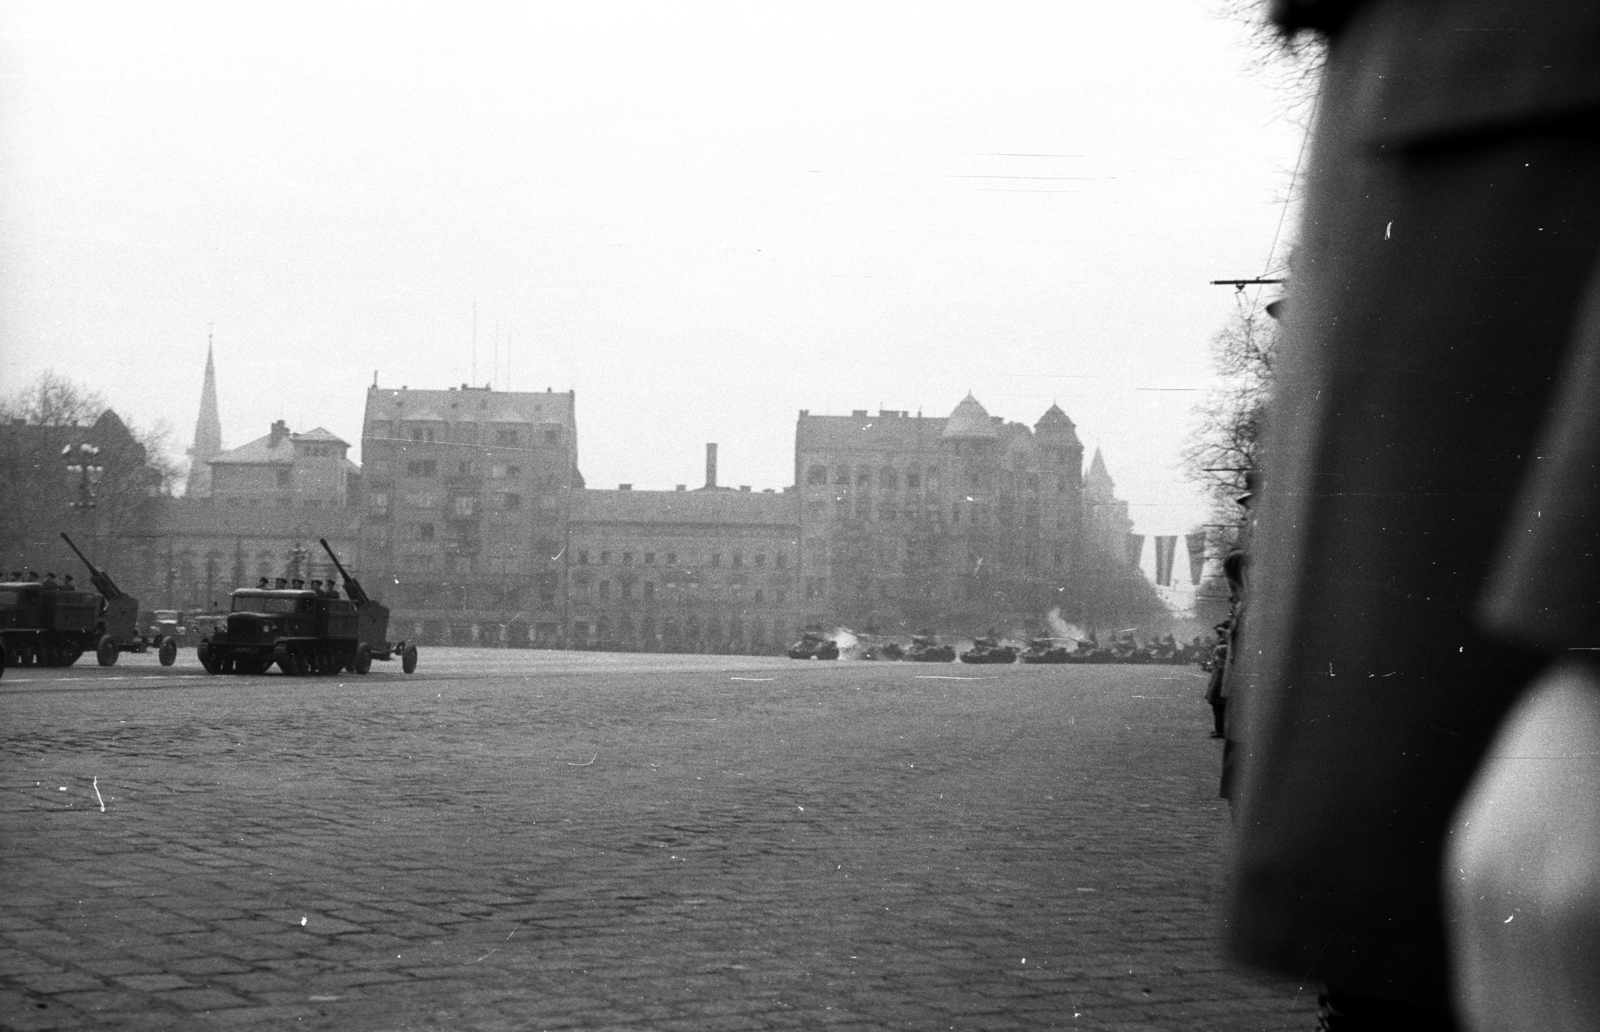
304 632
372 619
117 629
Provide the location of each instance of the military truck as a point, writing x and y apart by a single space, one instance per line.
43 625
118 625
303 632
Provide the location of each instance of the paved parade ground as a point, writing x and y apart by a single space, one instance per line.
541 840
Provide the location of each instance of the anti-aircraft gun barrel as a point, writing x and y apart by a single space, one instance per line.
352 587
99 578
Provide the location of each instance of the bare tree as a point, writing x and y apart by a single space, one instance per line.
53 400
1223 448
68 462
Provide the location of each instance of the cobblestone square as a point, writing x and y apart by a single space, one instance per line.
537 840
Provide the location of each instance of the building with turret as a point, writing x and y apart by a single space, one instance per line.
956 523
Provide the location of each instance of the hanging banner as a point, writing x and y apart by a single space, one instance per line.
1135 549
1197 554
1166 551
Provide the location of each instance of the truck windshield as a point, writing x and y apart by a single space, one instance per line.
264 604
10 598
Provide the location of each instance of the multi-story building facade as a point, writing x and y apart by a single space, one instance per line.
711 570
468 505
284 470
957 523
471 520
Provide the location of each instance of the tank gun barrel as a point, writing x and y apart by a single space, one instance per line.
99 578
352 587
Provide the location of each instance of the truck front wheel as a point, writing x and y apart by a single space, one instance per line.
106 651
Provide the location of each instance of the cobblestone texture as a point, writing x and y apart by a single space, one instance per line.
512 840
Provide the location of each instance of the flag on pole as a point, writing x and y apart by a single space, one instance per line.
1166 551
1197 554
1135 549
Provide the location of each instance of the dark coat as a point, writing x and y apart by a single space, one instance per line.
1452 223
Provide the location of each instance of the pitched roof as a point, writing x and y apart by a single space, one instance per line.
261 451
321 434
1054 417
969 420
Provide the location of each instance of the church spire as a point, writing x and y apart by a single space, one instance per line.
207 434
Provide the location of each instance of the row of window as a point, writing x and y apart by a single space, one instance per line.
460 506
863 478
649 591
736 559
465 433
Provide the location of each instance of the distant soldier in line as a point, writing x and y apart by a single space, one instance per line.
299 584
66 584
262 583
281 582
50 582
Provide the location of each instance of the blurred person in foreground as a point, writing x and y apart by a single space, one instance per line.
1403 599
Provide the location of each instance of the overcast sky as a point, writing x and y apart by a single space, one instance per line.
702 218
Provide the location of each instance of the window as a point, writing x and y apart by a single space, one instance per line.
552 435
507 437
464 468
842 476
649 591
283 478
422 499
888 479
378 503
605 589
497 472
583 558
761 559
782 595
817 475
627 590
672 558
421 468
424 532
605 558
510 501
864 477
738 559
649 558
913 481
813 587
627 558
716 558
783 561
760 596
464 505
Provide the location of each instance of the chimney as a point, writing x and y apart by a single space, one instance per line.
280 430
711 466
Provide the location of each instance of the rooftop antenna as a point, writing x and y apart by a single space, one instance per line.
494 352
474 377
